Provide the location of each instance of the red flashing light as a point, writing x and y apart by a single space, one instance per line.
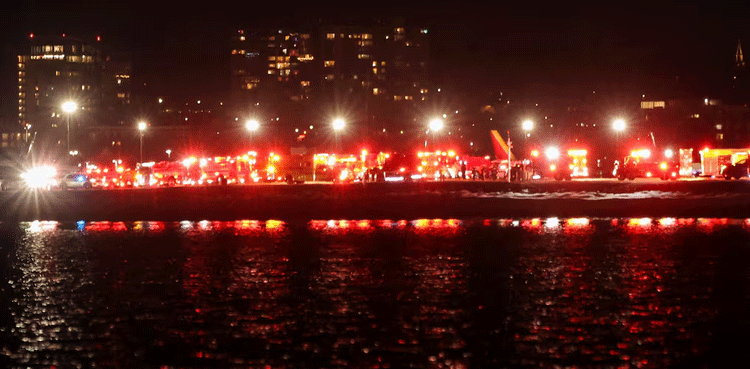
63 35
31 35
98 38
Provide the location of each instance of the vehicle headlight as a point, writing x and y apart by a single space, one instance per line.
39 177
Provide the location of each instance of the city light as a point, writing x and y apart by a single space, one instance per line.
69 107
619 125
527 125
338 124
252 125
436 125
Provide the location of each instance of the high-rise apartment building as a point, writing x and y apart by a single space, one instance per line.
379 72
60 69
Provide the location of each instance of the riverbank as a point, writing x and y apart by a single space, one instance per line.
388 201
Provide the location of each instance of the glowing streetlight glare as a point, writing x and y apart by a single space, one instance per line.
252 125
669 153
69 106
552 153
436 125
618 125
527 125
141 129
338 124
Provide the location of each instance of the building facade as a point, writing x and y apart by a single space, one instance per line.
60 69
374 76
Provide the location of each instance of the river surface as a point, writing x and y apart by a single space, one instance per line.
426 293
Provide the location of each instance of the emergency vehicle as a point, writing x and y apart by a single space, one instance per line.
641 164
714 161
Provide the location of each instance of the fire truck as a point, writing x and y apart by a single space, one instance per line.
439 164
224 170
170 173
641 164
118 176
565 167
714 161
339 168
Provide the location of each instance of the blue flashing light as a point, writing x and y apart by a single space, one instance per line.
80 178
81 224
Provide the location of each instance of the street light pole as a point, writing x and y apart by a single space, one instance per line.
510 146
69 107
338 125
141 128
435 126
527 126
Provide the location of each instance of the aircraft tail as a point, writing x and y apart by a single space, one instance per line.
500 146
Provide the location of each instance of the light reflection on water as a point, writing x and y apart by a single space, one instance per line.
454 293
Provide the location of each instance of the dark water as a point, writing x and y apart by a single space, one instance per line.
617 293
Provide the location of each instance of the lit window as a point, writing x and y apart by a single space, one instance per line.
719 136
375 91
363 56
242 38
396 98
305 83
719 127
329 63
330 36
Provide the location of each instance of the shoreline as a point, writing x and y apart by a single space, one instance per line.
445 200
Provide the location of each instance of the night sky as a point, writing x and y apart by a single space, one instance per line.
532 48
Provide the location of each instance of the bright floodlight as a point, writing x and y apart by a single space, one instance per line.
527 125
619 125
69 106
552 153
338 124
669 153
252 125
436 124
141 126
